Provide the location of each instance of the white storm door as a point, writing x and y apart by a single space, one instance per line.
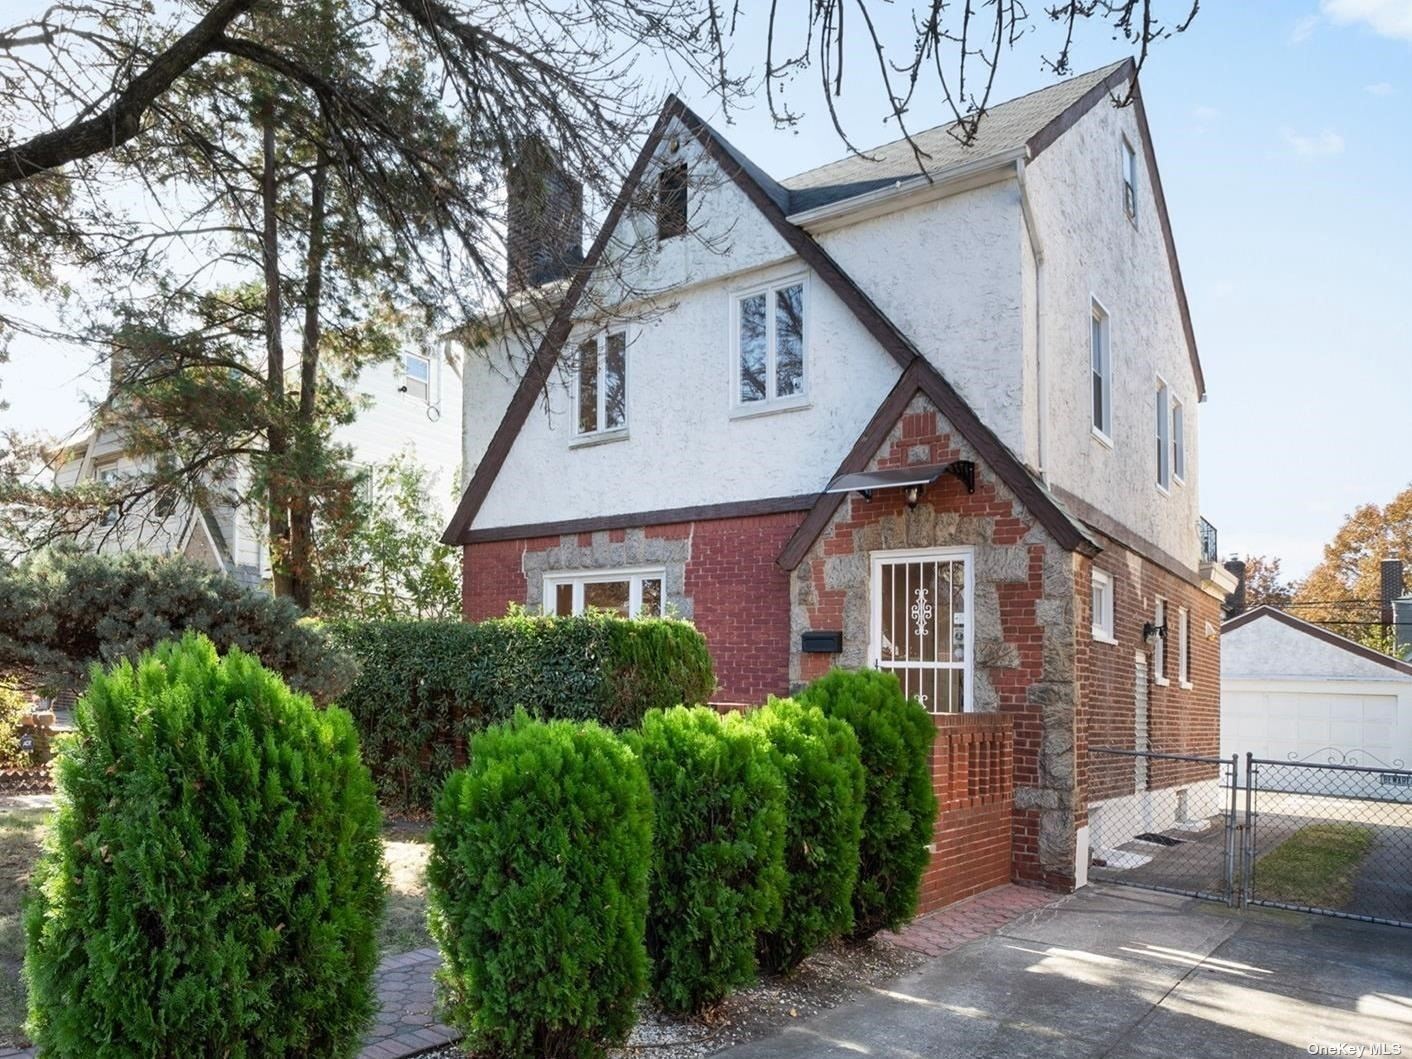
921 624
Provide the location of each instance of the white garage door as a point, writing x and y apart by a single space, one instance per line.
1317 726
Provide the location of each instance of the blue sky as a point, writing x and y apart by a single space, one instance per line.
1284 136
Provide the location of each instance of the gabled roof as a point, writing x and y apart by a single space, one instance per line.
1006 126
773 201
1318 632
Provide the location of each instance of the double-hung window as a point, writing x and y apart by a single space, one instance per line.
1159 643
602 379
1183 647
1103 606
769 344
1129 180
1101 360
630 593
1164 436
108 477
1178 441
416 375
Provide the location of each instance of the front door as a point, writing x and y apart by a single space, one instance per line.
921 629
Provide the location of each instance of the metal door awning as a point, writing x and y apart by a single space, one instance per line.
868 482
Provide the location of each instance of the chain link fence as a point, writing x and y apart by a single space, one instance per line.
1328 837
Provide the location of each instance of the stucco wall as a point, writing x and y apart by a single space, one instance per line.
1092 249
1267 649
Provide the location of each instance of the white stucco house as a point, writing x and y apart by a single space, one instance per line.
410 405
1294 691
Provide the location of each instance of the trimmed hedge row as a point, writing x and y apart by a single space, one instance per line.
424 686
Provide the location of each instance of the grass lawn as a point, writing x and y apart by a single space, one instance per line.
403 928
1315 866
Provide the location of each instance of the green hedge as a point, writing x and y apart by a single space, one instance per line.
424 686
538 889
824 786
213 882
895 735
718 844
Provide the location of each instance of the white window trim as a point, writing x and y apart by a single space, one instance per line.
1127 155
1103 433
633 575
967 555
1184 648
1103 627
603 433
408 378
1164 426
1178 441
1159 644
746 409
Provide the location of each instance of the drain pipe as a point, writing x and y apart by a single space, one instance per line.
1041 377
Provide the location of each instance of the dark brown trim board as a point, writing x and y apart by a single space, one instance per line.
1107 526
664 517
1319 633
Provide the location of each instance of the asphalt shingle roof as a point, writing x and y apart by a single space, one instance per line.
1005 126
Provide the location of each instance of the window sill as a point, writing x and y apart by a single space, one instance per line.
1186 685
1164 490
1161 682
766 408
1103 637
1099 436
605 437
1178 479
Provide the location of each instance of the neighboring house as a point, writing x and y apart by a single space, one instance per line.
941 424
412 406
1294 691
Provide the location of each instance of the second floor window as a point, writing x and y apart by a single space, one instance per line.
416 370
1129 180
602 383
671 201
1101 359
1164 437
769 327
1178 441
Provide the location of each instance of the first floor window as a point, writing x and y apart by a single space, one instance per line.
602 383
1164 437
1159 642
921 628
416 371
1102 605
770 343
1101 375
631 593
1183 647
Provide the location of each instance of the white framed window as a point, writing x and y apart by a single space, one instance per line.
108 475
634 593
1101 361
921 630
1183 647
1178 441
1159 642
416 375
1164 436
601 384
768 344
1103 606
1129 180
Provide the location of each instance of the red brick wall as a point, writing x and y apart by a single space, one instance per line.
1180 720
740 598
972 773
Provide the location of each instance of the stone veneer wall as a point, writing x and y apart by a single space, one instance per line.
1024 620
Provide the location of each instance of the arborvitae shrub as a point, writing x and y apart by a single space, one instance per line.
895 735
538 889
424 686
717 856
824 783
213 882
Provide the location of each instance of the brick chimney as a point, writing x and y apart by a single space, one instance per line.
1390 589
543 220
1235 602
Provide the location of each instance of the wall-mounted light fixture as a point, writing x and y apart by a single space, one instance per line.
912 494
1149 631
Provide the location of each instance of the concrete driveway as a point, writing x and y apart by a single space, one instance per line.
1115 972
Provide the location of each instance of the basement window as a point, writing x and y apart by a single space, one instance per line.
671 201
629 593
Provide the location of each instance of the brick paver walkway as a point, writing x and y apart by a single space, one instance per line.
970 919
406 1021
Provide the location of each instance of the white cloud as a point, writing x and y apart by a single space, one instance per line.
1380 88
1303 29
1387 18
1320 145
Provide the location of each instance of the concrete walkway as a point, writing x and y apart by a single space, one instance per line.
1121 973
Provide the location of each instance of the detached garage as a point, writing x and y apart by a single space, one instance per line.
1293 691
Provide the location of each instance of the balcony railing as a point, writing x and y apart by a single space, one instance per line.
1207 533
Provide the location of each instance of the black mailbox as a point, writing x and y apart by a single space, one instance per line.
822 642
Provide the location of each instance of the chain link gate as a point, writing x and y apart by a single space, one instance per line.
1333 838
